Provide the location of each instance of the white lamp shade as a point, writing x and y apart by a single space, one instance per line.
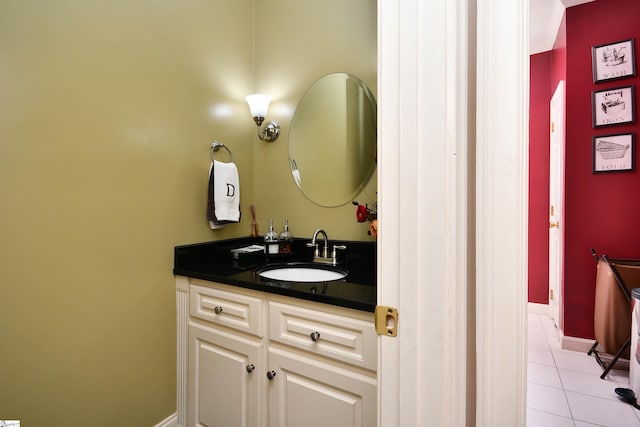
258 104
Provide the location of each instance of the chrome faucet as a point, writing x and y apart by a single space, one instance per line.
324 258
314 244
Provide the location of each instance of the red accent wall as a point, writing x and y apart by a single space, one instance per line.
559 55
602 211
540 93
546 70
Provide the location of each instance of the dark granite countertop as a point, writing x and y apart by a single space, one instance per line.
213 261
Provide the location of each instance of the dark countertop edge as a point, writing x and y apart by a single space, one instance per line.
357 305
210 261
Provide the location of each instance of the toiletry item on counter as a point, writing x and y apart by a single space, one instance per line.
254 224
252 249
271 240
248 255
285 238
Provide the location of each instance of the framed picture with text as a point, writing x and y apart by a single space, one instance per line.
613 106
614 153
613 61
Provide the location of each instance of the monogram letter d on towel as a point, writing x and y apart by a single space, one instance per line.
231 190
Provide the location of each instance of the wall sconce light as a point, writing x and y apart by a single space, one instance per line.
259 104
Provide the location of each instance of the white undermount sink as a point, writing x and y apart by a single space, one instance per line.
302 273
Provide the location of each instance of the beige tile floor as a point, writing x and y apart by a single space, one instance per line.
564 387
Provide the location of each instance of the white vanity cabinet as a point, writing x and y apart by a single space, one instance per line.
255 359
225 358
312 393
226 388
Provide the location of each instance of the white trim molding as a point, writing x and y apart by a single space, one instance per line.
170 421
537 308
501 209
182 345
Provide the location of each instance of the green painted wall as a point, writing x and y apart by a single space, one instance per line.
300 42
107 110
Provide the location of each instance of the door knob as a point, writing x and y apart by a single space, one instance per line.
554 224
271 375
218 309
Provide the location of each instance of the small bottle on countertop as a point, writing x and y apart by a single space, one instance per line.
271 240
285 238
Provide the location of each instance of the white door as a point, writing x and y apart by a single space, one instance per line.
556 186
424 185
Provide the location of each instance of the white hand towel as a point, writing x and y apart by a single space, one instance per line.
224 194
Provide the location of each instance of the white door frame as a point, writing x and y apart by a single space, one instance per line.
453 142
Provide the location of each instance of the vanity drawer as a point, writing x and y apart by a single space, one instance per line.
233 310
331 335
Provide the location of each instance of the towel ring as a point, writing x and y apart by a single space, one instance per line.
215 146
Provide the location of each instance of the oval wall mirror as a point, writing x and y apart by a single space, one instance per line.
332 140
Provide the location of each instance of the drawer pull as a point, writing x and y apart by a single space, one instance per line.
315 336
218 309
271 375
251 367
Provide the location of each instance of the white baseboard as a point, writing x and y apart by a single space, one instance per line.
582 345
536 308
170 421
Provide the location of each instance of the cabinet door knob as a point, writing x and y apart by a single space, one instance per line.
251 367
271 375
218 309
315 336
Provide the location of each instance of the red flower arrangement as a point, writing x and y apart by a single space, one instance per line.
365 213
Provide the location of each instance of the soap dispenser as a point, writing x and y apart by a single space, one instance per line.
285 238
271 240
